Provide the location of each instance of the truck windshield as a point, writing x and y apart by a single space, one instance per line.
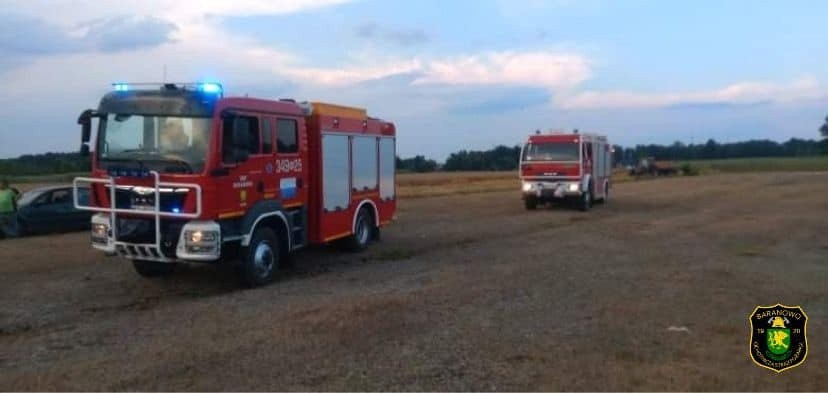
550 152
162 143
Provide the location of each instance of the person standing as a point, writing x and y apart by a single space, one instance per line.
8 209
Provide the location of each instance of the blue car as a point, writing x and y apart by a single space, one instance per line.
50 210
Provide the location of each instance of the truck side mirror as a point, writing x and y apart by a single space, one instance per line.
85 121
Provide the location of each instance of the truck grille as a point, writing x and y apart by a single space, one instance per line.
144 199
142 231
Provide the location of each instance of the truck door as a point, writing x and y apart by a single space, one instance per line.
291 170
588 158
292 188
242 165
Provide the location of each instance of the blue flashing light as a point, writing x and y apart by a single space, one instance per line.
120 86
176 210
211 88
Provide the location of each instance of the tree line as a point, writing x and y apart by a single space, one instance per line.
43 164
499 158
794 147
505 158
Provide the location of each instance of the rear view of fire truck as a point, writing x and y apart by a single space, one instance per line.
565 167
181 173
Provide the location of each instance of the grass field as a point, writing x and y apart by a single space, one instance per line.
466 292
419 185
762 164
49 178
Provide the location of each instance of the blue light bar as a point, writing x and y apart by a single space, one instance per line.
212 88
120 86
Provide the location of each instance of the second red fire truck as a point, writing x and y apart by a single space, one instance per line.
558 166
181 173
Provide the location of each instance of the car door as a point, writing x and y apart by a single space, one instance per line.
81 218
65 216
40 215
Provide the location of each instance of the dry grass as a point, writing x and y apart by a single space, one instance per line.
464 293
421 185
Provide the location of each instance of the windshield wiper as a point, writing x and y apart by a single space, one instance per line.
142 151
188 168
183 163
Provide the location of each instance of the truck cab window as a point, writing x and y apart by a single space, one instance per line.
287 136
239 132
267 136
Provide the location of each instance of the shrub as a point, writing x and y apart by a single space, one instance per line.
689 170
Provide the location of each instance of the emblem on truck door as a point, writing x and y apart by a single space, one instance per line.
777 337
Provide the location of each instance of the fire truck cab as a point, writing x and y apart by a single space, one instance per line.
559 166
181 173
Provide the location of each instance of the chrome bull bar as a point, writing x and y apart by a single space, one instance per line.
150 252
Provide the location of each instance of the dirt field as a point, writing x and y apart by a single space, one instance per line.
465 292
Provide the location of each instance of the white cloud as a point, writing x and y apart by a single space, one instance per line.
70 12
807 88
550 70
348 76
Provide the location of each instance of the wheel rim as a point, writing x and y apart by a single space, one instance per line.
264 258
362 230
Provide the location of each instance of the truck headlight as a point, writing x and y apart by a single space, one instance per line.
527 186
200 237
99 233
574 187
201 241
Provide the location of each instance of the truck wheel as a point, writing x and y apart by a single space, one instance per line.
363 229
530 203
261 258
586 200
152 269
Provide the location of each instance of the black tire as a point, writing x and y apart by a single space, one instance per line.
261 258
530 203
152 269
585 201
363 230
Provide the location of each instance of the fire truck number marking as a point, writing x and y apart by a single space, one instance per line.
288 165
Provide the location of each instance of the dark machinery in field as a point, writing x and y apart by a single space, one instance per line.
648 166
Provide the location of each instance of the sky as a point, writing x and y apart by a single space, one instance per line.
452 75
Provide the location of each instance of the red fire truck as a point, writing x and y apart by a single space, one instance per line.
560 166
181 173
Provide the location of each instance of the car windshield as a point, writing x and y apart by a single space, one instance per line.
164 143
28 197
550 152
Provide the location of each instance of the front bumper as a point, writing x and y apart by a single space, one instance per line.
550 189
195 241
151 230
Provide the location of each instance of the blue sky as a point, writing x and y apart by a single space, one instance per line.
452 74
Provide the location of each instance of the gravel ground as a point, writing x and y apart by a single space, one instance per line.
465 292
